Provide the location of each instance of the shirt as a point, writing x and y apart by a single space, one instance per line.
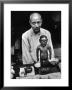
30 41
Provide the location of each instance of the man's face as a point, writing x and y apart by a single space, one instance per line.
35 23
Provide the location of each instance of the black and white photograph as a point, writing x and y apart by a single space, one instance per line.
35 37
32 57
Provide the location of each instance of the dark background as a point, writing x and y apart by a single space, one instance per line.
51 22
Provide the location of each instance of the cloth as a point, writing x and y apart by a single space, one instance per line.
30 41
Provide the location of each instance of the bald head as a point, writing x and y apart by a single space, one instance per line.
35 16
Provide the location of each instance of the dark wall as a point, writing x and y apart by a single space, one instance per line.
51 22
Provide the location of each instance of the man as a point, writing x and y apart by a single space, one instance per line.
30 39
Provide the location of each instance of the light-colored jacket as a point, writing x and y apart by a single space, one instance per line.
30 41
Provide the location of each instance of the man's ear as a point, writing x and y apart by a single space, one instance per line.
29 22
41 22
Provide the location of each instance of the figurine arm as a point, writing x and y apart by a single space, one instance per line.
49 52
38 54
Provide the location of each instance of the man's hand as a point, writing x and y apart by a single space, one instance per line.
37 64
54 61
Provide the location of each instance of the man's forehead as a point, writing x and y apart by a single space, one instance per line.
35 16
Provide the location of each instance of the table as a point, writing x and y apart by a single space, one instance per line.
56 75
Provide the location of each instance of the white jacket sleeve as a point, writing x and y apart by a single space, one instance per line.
51 45
26 57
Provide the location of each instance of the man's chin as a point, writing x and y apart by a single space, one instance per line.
37 31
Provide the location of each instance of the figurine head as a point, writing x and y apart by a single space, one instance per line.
43 40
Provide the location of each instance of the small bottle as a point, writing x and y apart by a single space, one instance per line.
22 72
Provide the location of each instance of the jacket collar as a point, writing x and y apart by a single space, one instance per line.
32 32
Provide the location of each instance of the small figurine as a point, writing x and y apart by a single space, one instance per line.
43 51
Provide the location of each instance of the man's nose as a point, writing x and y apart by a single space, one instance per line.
37 25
